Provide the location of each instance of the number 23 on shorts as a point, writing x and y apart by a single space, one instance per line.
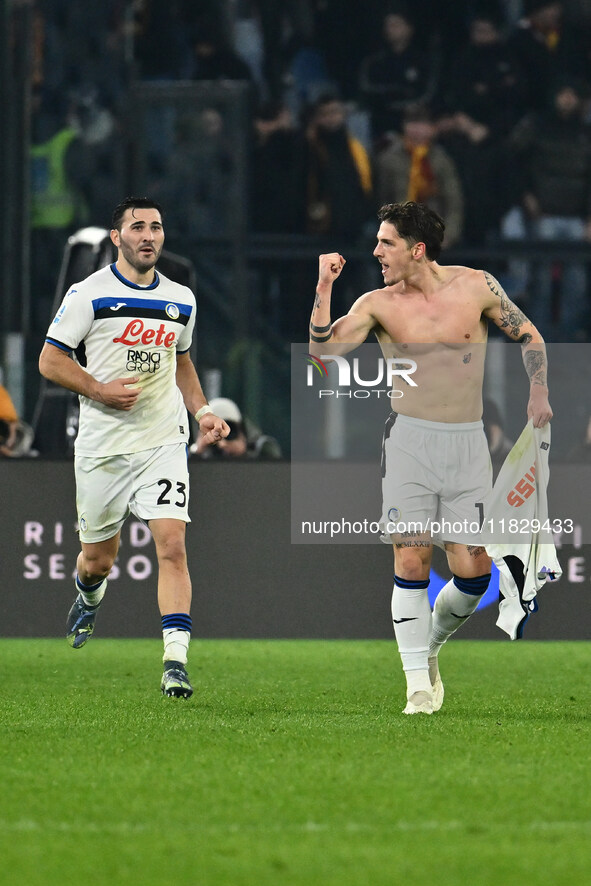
174 493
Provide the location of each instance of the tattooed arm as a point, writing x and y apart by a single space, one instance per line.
348 331
507 316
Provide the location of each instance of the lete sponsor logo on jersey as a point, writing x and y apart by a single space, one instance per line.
136 333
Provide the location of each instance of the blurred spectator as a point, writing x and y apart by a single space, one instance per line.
581 452
554 148
95 162
88 49
197 176
8 422
447 27
412 167
56 206
484 99
481 162
338 172
278 207
403 72
498 443
306 77
160 46
245 439
15 435
346 34
548 46
248 41
270 36
212 55
278 179
486 81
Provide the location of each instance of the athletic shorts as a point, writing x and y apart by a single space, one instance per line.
435 478
151 484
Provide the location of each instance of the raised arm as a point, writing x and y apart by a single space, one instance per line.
345 333
516 326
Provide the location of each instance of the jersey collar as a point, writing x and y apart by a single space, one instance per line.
131 285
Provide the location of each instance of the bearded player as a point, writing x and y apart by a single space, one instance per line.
121 341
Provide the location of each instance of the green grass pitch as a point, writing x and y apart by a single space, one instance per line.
292 764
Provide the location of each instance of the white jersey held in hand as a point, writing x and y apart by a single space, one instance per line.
117 328
526 558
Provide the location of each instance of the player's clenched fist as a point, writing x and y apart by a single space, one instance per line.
213 429
329 267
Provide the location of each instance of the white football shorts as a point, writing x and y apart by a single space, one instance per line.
435 479
151 484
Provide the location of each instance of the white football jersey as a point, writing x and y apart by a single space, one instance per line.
117 329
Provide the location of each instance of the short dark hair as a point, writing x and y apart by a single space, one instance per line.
132 203
416 223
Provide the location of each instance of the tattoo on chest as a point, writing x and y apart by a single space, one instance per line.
466 358
512 317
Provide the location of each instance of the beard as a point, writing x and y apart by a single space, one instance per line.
138 261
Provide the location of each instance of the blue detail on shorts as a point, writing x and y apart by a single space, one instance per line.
390 422
131 285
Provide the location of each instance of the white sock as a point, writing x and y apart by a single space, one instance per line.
453 607
176 645
176 633
411 615
91 594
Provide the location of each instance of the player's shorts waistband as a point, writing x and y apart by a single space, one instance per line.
427 425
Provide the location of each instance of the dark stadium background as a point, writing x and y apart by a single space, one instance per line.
64 65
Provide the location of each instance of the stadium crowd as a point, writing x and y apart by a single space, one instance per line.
481 110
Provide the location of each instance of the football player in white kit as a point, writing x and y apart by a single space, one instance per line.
121 341
436 465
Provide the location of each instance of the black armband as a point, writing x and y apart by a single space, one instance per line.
320 329
320 338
